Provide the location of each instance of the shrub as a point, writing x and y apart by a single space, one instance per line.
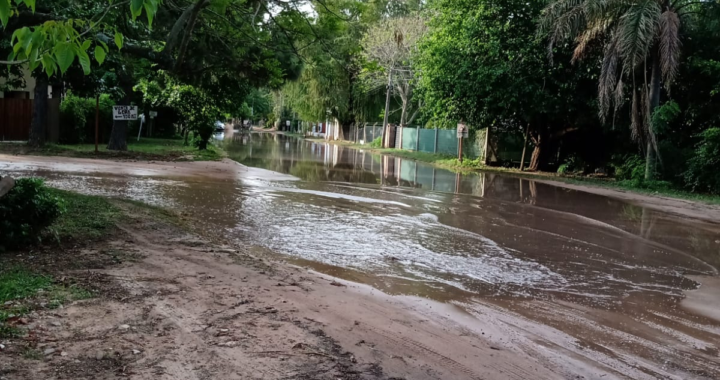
630 167
377 143
572 164
702 173
26 211
77 118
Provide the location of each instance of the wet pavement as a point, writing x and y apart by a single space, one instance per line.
593 280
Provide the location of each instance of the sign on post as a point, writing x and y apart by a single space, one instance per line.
125 112
462 131
153 114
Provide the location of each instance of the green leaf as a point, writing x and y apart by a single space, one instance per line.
86 45
34 59
136 7
4 12
48 64
150 10
84 61
104 45
65 55
30 4
100 54
119 40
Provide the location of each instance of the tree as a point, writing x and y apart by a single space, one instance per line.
483 63
640 38
221 46
389 49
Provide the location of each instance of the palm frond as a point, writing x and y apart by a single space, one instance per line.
594 30
669 46
561 20
608 77
638 29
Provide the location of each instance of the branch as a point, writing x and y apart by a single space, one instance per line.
189 31
172 38
161 58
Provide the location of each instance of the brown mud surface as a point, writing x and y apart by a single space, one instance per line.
183 308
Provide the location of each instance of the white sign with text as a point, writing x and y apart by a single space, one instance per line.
125 112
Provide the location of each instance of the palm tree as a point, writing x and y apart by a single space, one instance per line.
640 38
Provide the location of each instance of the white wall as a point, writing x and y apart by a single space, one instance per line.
29 85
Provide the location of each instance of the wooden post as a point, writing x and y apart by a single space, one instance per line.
460 158
97 121
522 159
436 140
365 134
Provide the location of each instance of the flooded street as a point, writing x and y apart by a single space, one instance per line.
584 282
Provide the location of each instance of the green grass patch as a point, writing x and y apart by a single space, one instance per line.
87 217
21 285
18 283
32 354
146 149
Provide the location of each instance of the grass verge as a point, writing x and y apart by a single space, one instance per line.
87 218
145 149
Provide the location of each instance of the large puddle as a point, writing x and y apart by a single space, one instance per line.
587 277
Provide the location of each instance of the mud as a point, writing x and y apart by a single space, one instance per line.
571 283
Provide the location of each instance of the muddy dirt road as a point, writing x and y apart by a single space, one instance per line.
480 276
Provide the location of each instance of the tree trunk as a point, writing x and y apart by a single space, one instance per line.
40 107
118 135
654 104
535 158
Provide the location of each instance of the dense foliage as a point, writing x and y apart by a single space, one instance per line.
26 211
77 118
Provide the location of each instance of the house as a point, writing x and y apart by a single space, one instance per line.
17 97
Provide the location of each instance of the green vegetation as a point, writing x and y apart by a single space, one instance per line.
26 211
31 213
145 149
87 218
22 289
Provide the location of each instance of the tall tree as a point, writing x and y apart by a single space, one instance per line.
641 40
389 49
483 63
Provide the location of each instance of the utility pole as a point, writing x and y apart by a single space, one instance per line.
387 106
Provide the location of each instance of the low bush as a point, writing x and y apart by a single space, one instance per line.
26 211
77 118
572 165
377 143
629 168
702 174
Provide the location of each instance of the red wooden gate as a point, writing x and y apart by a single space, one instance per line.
15 119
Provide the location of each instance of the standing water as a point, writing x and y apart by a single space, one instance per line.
585 277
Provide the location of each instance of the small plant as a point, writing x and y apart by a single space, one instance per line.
377 143
26 211
630 167
702 173
572 165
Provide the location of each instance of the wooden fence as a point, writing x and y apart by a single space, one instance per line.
16 117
